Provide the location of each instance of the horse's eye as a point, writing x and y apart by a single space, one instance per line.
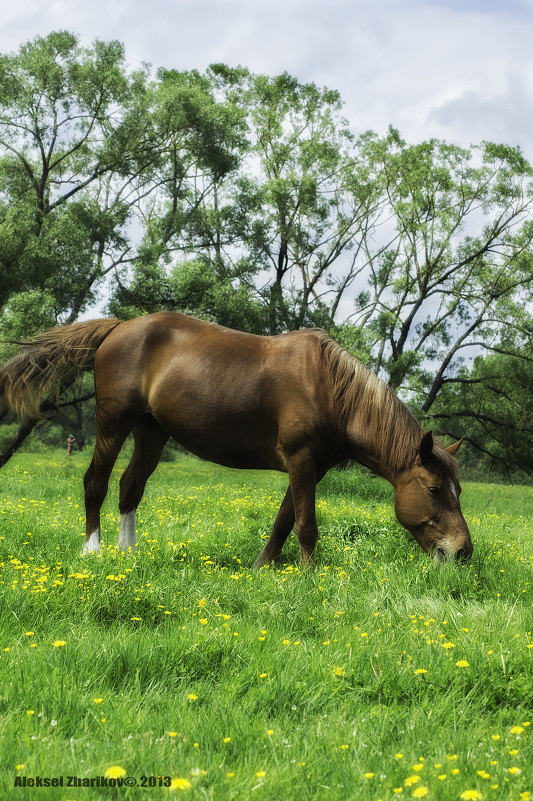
433 490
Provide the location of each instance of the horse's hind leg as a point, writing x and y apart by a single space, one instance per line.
109 439
150 439
280 531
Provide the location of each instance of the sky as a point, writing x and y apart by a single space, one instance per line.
458 70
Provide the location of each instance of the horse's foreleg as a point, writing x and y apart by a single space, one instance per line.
150 440
303 479
280 531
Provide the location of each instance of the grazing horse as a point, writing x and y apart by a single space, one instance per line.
295 402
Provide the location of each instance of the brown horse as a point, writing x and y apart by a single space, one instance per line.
295 402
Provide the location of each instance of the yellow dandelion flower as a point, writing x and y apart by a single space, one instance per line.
514 771
411 780
442 777
398 756
495 737
227 739
270 732
517 730
180 784
419 671
462 663
369 775
260 774
451 757
97 700
30 712
398 790
173 734
29 633
59 643
115 772
471 795
19 767
455 771
202 603
203 621
418 767
421 792
192 697
339 671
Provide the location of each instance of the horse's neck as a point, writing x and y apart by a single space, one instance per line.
386 453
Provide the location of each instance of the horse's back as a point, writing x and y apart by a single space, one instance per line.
227 395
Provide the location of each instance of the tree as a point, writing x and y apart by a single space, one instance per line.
458 274
493 404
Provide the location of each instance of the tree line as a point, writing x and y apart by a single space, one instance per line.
248 200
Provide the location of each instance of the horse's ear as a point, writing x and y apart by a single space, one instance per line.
425 449
452 449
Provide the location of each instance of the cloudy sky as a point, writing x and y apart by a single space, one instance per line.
460 70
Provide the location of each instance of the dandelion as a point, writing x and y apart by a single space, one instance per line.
514 771
270 732
471 795
227 740
29 633
59 643
97 700
462 663
135 618
339 671
411 780
115 772
260 774
398 790
442 777
517 730
180 784
421 792
19 767
202 603
263 675
173 734
30 712
192 697
369 775
398 756
420 671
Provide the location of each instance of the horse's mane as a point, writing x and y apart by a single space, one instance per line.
386 420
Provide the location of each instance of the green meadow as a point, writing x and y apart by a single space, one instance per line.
181 672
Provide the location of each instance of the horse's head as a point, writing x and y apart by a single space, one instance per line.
427 502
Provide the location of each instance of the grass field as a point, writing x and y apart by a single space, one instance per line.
377 676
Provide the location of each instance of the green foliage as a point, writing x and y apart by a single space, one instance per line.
180 661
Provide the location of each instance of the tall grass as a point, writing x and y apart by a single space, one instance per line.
377 676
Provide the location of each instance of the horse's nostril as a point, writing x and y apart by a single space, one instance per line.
440 554
463 554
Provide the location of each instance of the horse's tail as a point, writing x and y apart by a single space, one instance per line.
48 360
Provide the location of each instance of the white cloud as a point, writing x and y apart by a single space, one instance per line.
461 70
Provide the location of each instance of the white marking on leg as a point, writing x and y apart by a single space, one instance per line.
127 537
93 543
